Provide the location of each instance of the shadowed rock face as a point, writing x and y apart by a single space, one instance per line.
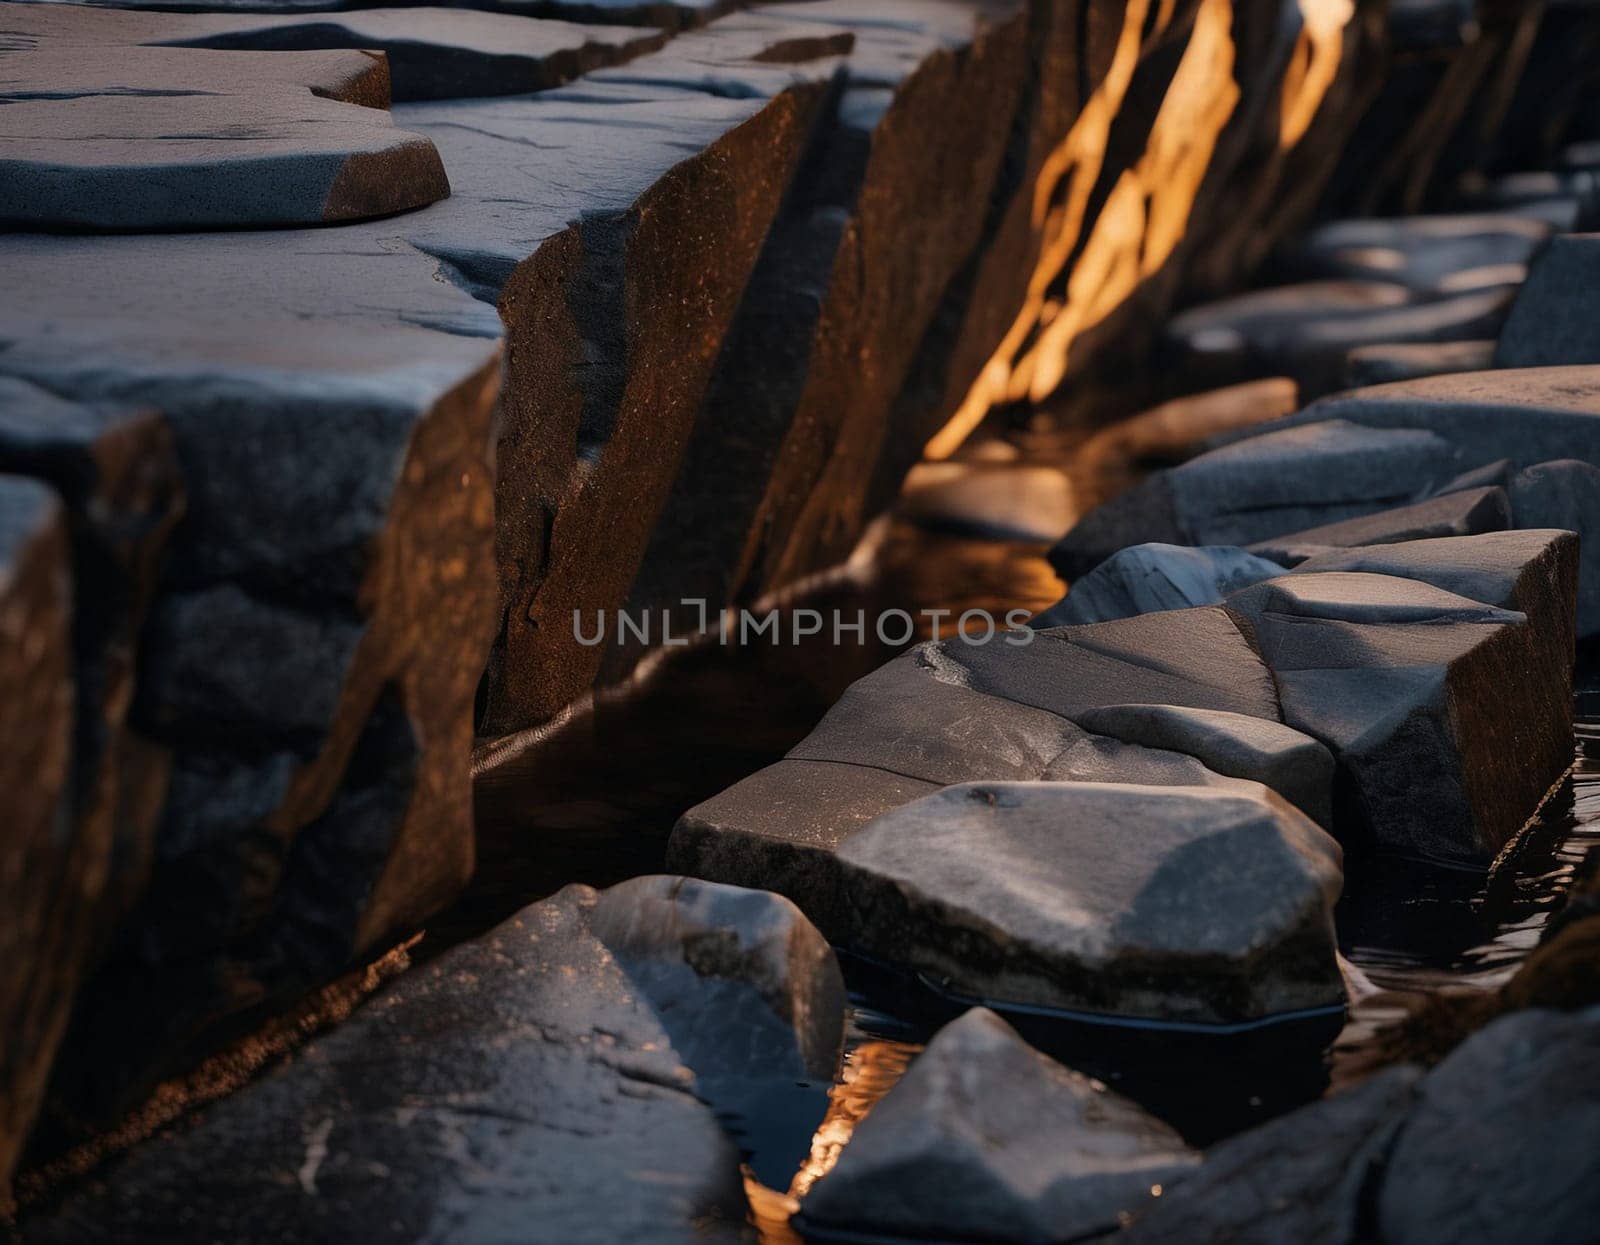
986 1138
1552 322
538 1083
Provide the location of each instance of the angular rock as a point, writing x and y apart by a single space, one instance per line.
1303 1177
1467 512
433 53
1429 255
1166 903
1144 578
165 138
524 1084
1565 494
1392 361
1449 718
1556 318
986 1138
1491 1149
1262 486
1259 750
38 872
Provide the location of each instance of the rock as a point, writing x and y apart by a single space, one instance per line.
1570 196
1489 1148
1143 578
984 1138
1263 486
1432 256
40 865
992 503
1392 361
1259 750
1435 759
667 14
1553 321
1467 512
1116 900
1305 1176
166 138
522 1084
1306 331
433 53
1565 494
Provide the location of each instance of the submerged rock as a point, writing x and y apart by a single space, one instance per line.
1170 903
1148 577
985 1138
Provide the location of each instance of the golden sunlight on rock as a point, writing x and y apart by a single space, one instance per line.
1314 65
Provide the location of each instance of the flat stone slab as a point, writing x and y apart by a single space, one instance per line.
1556 318
1170 903
986 1138
1430 255
136 138
1466 512
433 53
1392 361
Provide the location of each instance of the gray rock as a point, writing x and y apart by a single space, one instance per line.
1565 494
669 14
1465 512
134 138
1496 1148
1303 1177
1262 486
1392 361
984 1138
522 1086
1259 750
1448 734
1554 320
1429 255
1168 903
1144 578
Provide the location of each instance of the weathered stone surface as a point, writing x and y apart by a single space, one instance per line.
433 53
1466 512
38 874
993 502
523 1085
1429 255
1262 486
1392 361
1565 494
1491 1149
1408 685
1303 1177
985 1138
166 138
1142 578
1556 319
1259 750
1116 899
669 14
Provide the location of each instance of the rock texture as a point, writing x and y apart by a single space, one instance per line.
1142 578
1552 322
985 1138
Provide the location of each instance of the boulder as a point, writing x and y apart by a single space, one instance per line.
1165 903
1553 321
1450 719
1000 502
985 1138
1262 486
1432 256
1259 750
1144 578
1392 361
1305 1176
1491 1149
528 1083
1464 512
128 138
1565 494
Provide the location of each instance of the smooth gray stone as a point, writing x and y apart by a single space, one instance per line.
1565 494
433 53
1291 763
1430 255
128 138
1306 1176
1556 318
1098 758
521 1087
1490 475
1449 717
1187 904
985 1138
1392 361
989 501
1464 513
1262 486
1148 577
668 14
1498 1148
